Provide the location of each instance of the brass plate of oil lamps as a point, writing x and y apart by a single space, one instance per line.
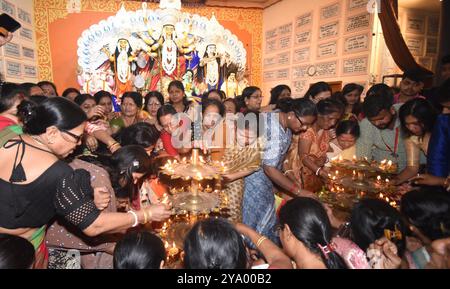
195 202
195 170
358 184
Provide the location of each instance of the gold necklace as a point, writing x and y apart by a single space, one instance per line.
35 138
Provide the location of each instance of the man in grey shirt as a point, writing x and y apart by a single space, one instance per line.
381 136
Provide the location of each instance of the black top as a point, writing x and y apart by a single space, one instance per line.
34 204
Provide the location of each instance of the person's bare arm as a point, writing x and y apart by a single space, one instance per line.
119 222
304 148
406 174
284 182
106 138
239 175
272 253
428 180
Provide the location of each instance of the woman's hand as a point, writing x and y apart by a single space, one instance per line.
332 133
404 188
228 178
91 143
307 194
98 111
388 259
113 114
440 254
428 180
159 212
102 197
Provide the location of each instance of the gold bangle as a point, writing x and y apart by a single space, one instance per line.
145 217
111 144
260 240
114 145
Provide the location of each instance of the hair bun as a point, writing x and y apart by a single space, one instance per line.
26 111
285 104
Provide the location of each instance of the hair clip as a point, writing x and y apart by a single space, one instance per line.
327 249
396 234
134 164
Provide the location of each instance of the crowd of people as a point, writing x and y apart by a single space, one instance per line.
82 175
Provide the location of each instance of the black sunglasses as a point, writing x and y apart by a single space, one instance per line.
78 138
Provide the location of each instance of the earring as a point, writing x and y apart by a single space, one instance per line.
289 117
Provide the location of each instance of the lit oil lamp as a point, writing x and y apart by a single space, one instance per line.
165 199
172 252
378 182
164 230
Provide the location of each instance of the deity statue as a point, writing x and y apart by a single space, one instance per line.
190 87
228 66
172 56
231 86
102 80
147 49
169 49
148 61
242 77
188 43
210 65
84 80
121 63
